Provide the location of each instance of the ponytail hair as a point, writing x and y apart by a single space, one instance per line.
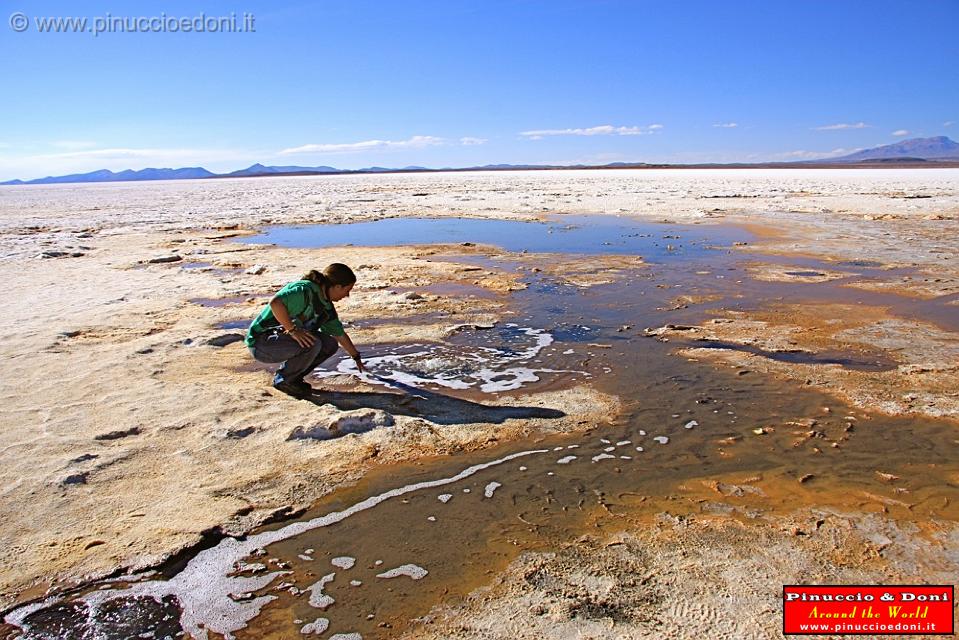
334 274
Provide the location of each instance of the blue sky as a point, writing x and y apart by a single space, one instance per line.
454 83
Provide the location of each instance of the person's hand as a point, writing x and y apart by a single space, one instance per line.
359 363
303 337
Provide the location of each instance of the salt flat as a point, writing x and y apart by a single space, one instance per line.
126 435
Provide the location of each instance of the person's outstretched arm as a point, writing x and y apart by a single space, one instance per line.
347 345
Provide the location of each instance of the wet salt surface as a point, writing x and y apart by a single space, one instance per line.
211 596
662 396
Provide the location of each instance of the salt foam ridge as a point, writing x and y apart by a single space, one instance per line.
457 367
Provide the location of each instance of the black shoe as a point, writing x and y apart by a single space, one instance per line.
296 388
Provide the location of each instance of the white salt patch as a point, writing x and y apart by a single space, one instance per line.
355 583
675 415
309 552
605 441
410 570
608 449
640 449
319 599
566 460
603 456
490 488
378 563
641 432
304 557
320 625
493 370
466 490
550 473
573 446
557 448
568 352
661 439
444 497
343 562
626 457
691 424
623 443
431 518
346 636
523 468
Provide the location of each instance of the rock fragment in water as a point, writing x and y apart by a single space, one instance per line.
444 497
410 570
320 625
602 456
566 460
691 424
661 439
318 599
490 488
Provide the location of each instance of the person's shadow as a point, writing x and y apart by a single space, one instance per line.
435 407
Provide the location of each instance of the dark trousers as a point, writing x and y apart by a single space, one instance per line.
278 346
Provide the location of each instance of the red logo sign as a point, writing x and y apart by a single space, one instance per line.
868 610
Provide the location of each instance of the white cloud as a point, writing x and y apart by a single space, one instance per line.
812 155
415 142
470 141
601 130
122 153
948 123
726 125
836 127
901 132
74 144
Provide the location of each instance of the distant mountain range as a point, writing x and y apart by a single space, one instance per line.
938 148
105 175
917 150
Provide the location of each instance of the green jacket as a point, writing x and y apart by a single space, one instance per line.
299 298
